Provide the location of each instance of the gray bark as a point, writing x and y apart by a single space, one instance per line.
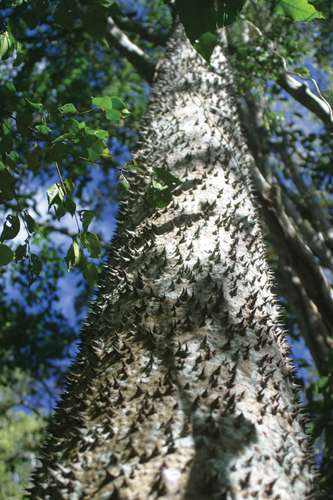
183 387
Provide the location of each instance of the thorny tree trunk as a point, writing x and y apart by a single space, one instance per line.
183 387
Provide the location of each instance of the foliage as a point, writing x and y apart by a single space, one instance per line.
202 19
59 154
20 435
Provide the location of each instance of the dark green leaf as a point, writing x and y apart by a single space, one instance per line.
21 252
228 11
95 20
66 14
11 228
92 243
58 152
36 264
197 16
34 158
202 18
31 224
99 133
69 205
206 44
90 272
165 176
95 149
158 196
6 255
7 185
86 217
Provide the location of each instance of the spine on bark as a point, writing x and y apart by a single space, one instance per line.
183 387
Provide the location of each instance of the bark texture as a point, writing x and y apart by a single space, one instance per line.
183 388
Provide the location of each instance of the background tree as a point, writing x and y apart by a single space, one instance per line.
262 60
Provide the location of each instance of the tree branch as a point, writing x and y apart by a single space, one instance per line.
313 279
132 52
124 23
302 93
307 314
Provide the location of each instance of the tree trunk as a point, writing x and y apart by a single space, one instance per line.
183 387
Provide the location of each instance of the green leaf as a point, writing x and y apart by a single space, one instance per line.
322 383
7 185
86 217
69 205
43 129
73 255
113 106
24 119
53 192
106 3
59 195
58 151
106 153
158 196
21 252
62 138
118 103
69 186
36 264
30 222
6 255
298 10
73 127
159 193
206 44
34 158
90 272
302 72
95 149
92 243
100 133
66 14
67 109
95 20
124 183
197 16
35 105
113 115
228 11
11 228
166 177
7 44
13 158
104 103
201 18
